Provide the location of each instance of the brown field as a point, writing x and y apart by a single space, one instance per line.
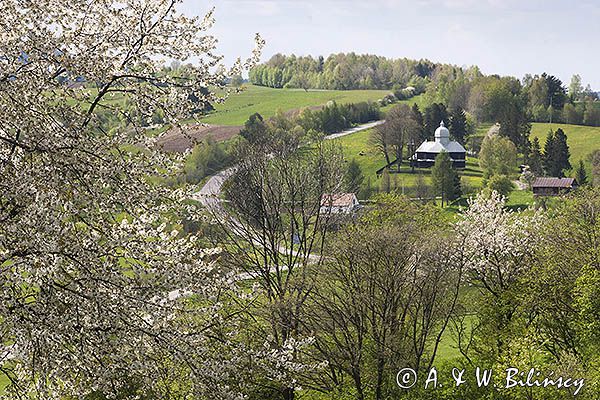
181 139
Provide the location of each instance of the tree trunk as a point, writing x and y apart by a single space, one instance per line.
386 155
379 386
289 394
358 385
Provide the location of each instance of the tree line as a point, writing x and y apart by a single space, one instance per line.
342 72
508 100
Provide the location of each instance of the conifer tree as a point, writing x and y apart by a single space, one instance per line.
458 125
443 177
434 114
556 153
418 117
547 159
561 152
581 174
535 157
354 177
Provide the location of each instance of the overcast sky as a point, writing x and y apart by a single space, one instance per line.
506 37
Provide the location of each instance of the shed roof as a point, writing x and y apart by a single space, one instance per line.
338 200
551 182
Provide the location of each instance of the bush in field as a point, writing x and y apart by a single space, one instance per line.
206 159
501 184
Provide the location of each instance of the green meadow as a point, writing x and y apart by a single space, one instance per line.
236 109
582 140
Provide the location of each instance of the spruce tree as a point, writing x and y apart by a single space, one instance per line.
418 117
443 177
548 156
556 154
561 152
581 174
456 187
535 157
434 114
458 125
354 177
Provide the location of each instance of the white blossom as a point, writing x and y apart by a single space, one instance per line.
89 247
498 243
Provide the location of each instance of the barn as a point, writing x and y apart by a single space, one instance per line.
550 186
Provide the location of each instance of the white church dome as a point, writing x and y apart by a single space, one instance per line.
442 131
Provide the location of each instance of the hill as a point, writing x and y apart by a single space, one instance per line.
582 140
267 101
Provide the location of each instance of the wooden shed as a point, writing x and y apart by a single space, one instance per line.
550 186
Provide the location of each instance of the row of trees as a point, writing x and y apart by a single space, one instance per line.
334 118
549 100
554 159
511 102
506 100
343 72
331 118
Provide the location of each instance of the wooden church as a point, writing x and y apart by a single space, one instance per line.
426 153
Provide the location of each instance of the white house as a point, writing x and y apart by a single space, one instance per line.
338 203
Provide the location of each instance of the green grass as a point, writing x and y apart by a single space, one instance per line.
482 129
371 160
519 199
582 140
419 100
267 101
4 382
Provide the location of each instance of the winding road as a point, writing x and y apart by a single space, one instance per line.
209 194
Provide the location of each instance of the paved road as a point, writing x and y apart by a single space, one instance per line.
354 130
209 196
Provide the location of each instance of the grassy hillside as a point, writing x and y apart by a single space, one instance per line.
582 140
266 101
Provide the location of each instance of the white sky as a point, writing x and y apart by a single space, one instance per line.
505 37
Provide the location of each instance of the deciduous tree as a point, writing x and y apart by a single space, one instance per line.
498 156
96 279
385 296
400 127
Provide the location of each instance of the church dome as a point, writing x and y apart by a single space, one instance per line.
442 131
